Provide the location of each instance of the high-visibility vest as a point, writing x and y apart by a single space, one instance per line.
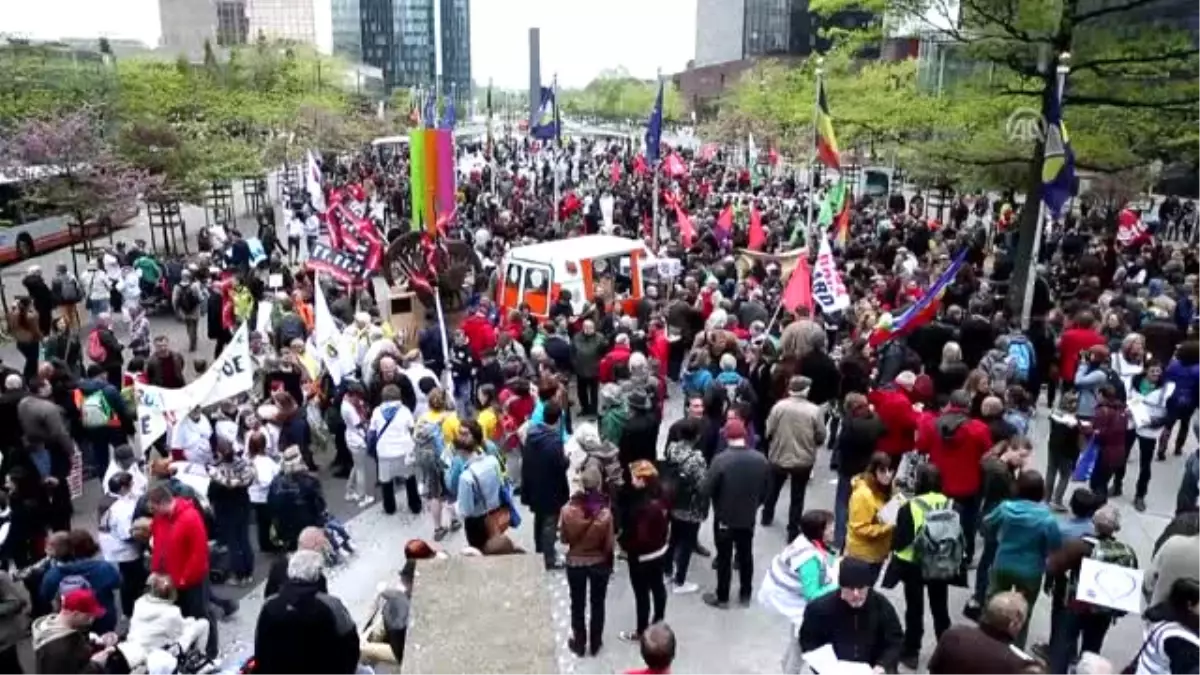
918 506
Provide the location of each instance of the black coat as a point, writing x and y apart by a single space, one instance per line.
544 470
856 443
870 634
639 438
304 630
826 380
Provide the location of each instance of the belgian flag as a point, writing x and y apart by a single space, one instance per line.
827 148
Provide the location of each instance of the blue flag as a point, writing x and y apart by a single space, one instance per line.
1058 163
429 118
449 115
654 127
544 125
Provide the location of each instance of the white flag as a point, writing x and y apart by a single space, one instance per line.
325 337
751 150
157 410
606 210
827 286
312 182
231 374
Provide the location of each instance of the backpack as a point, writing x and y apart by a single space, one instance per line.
940 546
188 299
69 291
1108 551
612 422
95 348
96 411
428 443
1021 354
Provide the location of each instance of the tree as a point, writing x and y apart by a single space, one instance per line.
1131 97
71 168
615 95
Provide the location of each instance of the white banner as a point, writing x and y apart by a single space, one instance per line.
606 210
325 337
158 407
827 286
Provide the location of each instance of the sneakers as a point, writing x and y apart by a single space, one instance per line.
972 611
353 496
910 661
576 646
439 533
1139 504
713 601
685 588
366 501
630 636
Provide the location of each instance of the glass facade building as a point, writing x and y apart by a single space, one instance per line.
456 51
233 26
734 30
415 57
347 29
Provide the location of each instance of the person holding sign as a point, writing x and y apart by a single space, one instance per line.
1083 620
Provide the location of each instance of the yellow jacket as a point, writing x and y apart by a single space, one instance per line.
867 538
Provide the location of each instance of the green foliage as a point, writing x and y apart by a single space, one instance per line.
619 97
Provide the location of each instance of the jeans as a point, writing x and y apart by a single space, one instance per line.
1118 474
646 578
589 394
462 397
193 334
578 581
32 351
915 589
193 602
799 479
233 531
968 514
679 551
841 510
96 307
98 442
133 584
545 527
411 493
1184 418
1101 477
729 540
982 572
1058 476
262 525
1069 628
1146 447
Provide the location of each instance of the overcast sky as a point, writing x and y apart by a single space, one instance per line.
580 38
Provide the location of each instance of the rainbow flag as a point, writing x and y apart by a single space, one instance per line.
432 177
827 148
922 311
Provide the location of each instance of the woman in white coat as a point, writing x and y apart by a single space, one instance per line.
390 438
1147 394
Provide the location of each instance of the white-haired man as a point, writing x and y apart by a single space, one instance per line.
303 629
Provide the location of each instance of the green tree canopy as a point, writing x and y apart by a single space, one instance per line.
617 96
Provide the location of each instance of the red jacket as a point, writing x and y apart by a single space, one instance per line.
180 545
1073 341
896 412
1108 431
660 350
618 354
480 335
956 444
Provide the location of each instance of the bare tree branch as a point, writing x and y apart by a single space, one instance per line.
1153 58
1104 11
1124 103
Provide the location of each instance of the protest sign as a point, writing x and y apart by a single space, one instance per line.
827 286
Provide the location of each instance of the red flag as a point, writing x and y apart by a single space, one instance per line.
639 165
686 231
674 165
772 157
725 220
708 151
570 204
615 172
799 288
1131 231
758 237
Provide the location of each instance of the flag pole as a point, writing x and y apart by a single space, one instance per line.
657 187
1031 274
812 190
554 153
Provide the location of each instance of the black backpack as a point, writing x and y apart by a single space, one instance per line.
1117 383
188 300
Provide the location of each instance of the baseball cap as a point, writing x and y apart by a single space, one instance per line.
83 601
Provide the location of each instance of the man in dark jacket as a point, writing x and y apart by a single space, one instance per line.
639 438
857 621
861 430
544 480
987 648
114 360
737 483
217 332
303 629
586 351
42 296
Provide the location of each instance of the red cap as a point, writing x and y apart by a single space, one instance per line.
735 430
83 601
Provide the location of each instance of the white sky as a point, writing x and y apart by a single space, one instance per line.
580 38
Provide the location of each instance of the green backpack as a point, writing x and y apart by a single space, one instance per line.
612 422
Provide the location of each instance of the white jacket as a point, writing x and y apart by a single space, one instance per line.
394 439
1143 408
155 624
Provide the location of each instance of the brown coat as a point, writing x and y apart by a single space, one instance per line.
971 650
590 541
30 332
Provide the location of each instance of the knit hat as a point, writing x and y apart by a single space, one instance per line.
855 573
799 384
735 430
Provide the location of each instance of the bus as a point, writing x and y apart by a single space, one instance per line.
29 228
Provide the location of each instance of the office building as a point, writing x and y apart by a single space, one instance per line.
455 46
734 30
306 22
233 25
187 24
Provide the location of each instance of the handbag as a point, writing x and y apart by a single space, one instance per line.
496 521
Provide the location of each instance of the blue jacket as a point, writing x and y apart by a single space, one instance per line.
103 578
1187 381
479 487
1026 532
544 470
696 381
1088 380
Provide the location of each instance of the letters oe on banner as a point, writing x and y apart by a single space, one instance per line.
827 287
